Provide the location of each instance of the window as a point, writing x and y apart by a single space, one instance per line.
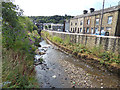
80 29
71 29
109 19
91 30
75 23
102 28
97 21
71 23
108 28
88 30
81 22
96 30
102 31
75 29
88 22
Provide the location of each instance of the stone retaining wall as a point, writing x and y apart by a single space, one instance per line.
109 43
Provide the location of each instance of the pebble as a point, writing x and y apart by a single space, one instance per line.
73 82
53 87
54 76
65 78
73 86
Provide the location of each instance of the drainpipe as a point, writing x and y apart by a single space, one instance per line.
83 25
117 25
64 26
102 17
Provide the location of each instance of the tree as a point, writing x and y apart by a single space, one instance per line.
35 27
50 19
14 26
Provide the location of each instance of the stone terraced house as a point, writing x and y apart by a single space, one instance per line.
90 23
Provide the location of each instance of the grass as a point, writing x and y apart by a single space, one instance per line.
18 70
57 39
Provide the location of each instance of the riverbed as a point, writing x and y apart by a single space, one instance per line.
60 70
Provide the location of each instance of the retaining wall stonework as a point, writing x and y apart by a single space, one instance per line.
109 43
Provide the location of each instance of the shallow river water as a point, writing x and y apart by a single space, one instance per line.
64 71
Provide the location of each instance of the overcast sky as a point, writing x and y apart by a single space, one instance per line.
60 7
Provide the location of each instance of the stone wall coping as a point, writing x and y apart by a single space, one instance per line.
86 35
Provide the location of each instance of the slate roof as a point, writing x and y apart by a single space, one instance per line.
106 10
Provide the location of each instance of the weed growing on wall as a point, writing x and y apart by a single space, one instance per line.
99 52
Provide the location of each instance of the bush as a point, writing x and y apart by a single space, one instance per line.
18 48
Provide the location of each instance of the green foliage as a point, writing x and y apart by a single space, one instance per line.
9 14
18 56
26 23
45 34
97 50
57 39
34 37
105 55
50 19
41 59
17 70
67 40
110 57
35 27
15 28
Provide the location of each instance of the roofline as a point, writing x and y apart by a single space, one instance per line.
97 12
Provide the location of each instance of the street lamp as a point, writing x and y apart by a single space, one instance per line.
102 17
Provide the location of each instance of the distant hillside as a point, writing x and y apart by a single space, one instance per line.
50 19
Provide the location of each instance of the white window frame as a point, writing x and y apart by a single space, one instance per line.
110 19
92 31
81 22
75 23
88 29
88 21
97 21
96 29
80 29
108 28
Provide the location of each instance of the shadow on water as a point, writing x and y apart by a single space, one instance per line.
51 74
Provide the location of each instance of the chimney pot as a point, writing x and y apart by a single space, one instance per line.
92 10
85 11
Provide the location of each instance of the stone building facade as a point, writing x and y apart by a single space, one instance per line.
53 27
57 27
67 25
73 25
92 22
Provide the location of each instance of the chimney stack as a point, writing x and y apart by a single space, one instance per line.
85 11
92 10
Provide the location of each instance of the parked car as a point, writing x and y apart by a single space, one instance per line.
67 31
59 30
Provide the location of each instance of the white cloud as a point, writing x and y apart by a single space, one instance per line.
59 7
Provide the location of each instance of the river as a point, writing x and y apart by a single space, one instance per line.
60 70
